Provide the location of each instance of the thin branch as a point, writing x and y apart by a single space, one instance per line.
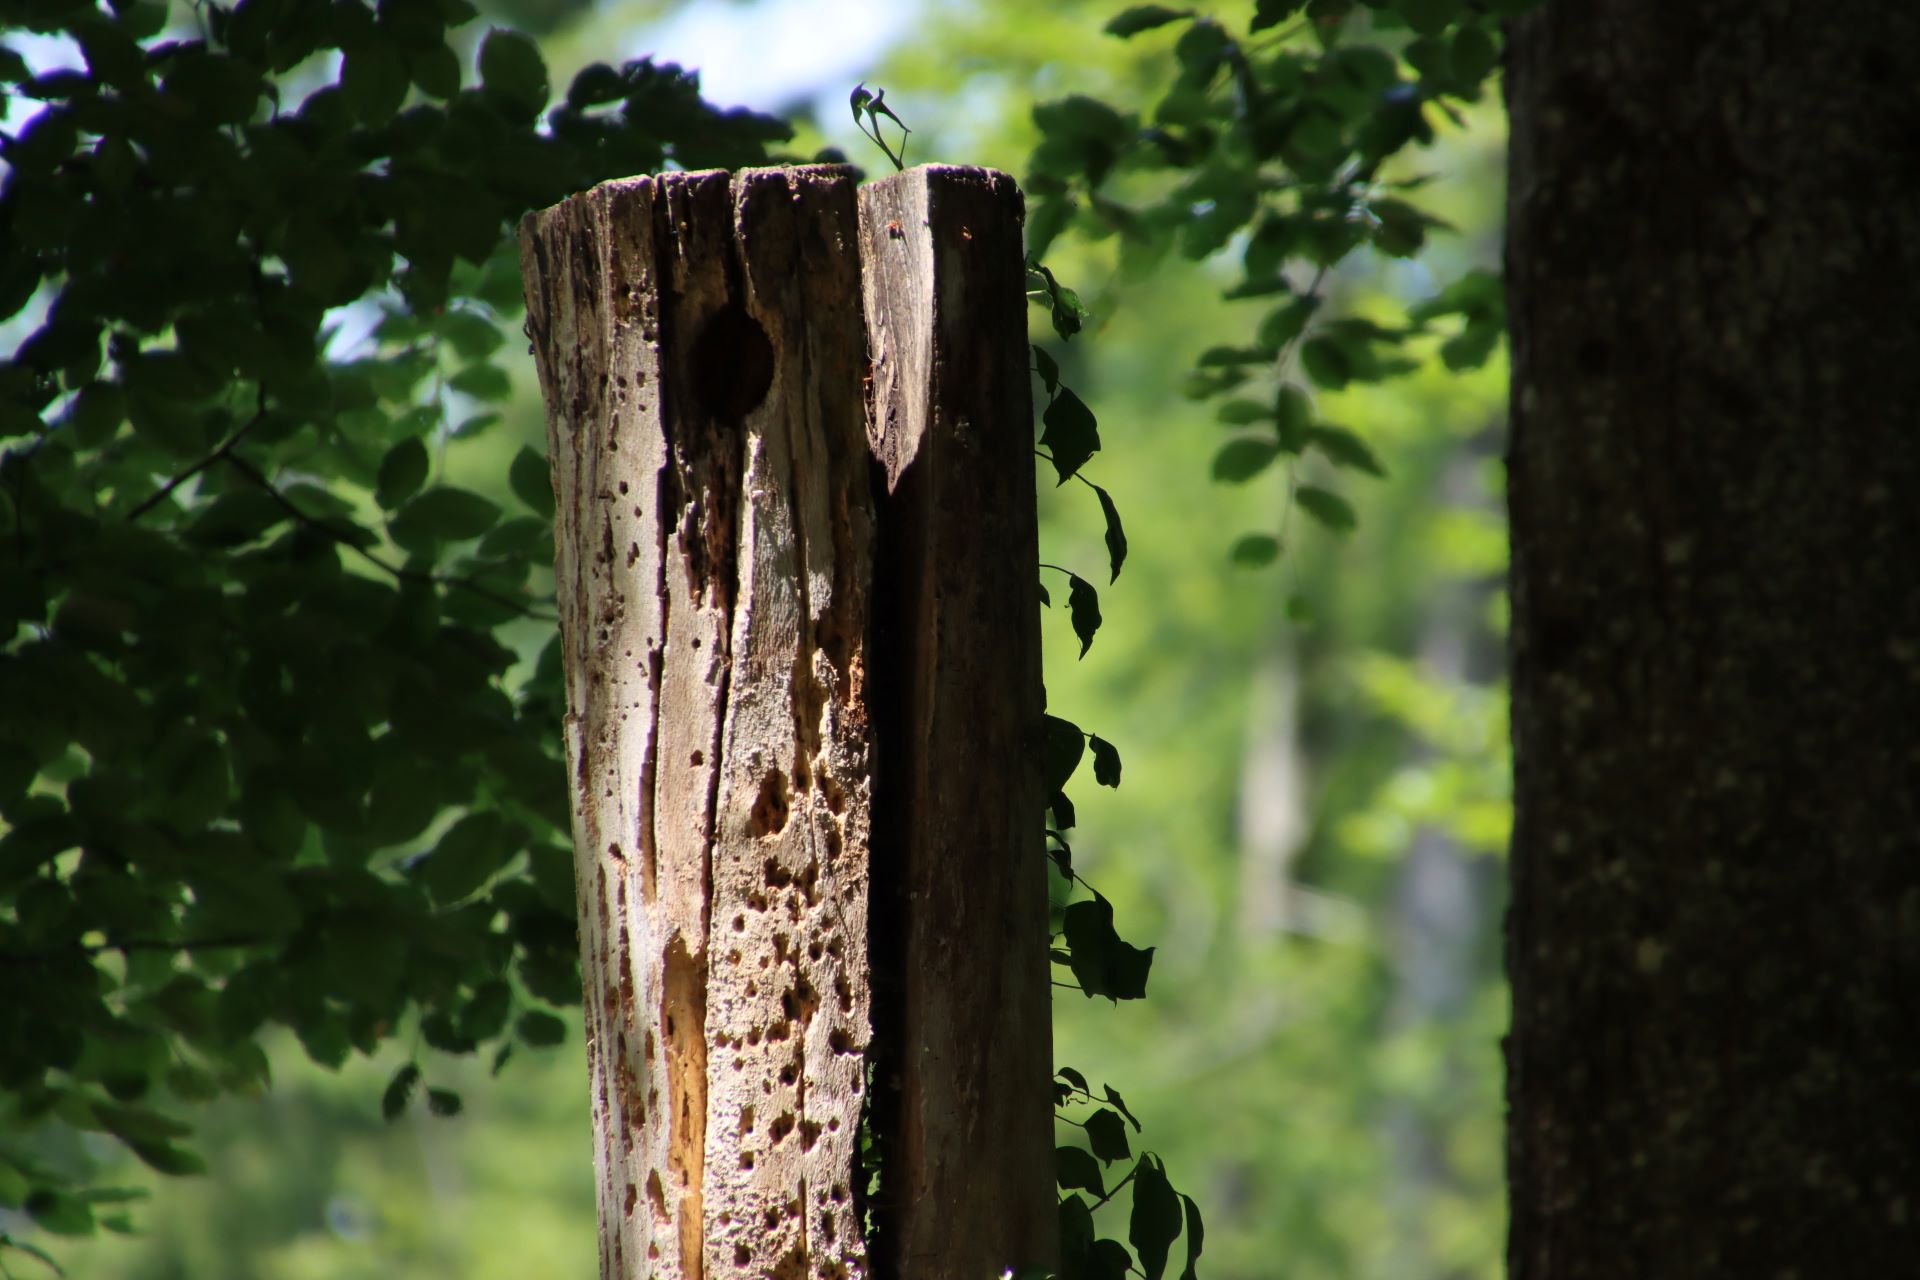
224 450
1116 1188
286 504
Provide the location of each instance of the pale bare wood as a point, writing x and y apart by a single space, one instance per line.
962 984
705 422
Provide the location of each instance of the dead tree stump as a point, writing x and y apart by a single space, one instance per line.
795 557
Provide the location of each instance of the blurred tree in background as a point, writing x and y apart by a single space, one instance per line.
1314 735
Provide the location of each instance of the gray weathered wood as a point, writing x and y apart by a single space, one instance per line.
967 1171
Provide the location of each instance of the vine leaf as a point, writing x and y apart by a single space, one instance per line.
1106 761
1069 314
1120 1105
1155 1222
1255 551
1062 810
1326 506
1143 17
1074 1168
1345 449
1116 536
1107 1133
1072 433
1103 962
1063 745
399 1090
1061 853
1196 1236
1244 458
531 480
1083 607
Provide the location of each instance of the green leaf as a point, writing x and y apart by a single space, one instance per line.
1156 1217
59 1214
1474 54
1240 413
443 1102
1265 287
1293 414
1106 761
482 382
1107 1133
1196 1236
1271 13
1243 459
402 472
1283 324
1103 963
1062 746
1326 506
1255 551
1075 1168
1345 449
531 480
445 514
1470 348
1119 1104
1072 435
373 77
1232 357
1116 536
472 851
1074 1078
510 65
1327 363
1143 17
540 1029
1083 609
399 1090
1429 17
164 1157
13 1186
236 518
436 69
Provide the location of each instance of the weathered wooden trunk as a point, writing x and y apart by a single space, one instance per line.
807 814
1713 939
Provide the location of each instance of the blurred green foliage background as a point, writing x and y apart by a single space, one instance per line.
1313 809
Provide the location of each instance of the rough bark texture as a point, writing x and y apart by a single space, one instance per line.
700 345
967 1155
706 368
1714 245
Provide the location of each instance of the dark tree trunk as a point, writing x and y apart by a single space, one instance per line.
1714 249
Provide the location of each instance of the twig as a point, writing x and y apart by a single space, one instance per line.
225 449
286 504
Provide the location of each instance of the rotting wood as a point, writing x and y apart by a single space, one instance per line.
713 397
700 347
962 984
